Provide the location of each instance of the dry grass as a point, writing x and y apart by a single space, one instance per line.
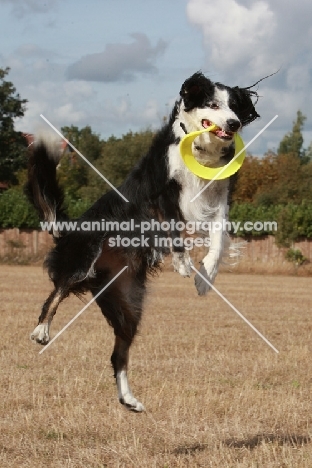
216 395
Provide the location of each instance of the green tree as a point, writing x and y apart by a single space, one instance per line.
16 211
12 143
121 154
87 142
118 157
292 143
308 153
74 173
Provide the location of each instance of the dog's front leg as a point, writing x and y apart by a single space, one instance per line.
182 262
210 263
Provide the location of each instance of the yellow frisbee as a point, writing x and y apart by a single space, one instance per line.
216 173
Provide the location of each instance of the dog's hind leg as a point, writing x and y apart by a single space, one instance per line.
119 361
121 304
41 332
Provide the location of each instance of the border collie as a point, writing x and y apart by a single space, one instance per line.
159 187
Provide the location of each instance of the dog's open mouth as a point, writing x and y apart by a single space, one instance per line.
218 132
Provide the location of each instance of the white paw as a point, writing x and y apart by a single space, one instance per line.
131 403
202 282
182 263
205 279
41 334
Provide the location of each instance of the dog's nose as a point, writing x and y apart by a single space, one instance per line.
233 125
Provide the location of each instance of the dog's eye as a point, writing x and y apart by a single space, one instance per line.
214 105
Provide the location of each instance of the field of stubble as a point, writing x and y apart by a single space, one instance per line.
215 394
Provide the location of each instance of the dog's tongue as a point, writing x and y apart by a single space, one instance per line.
221 133
218 131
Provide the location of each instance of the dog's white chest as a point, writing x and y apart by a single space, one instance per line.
195 204
202 207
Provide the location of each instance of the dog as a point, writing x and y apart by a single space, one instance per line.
159 188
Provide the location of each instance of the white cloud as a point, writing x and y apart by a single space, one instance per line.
78 90
68 114
38 75
245 40
151 111
59 102
21 8
298 77
77 103
118 62
233 33
252 38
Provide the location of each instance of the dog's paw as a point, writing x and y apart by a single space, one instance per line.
182 263
131 403
41 334
203 283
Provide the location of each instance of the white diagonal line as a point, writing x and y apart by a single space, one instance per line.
235 310
236 156
83 157
82 310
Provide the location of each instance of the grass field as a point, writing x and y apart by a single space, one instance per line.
215 394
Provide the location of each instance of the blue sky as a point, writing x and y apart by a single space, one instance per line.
118 65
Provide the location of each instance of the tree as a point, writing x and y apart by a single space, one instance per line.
12 143
87 142
74 173
273 179
114 158
118 157
255 177
293 141
121 154
308 153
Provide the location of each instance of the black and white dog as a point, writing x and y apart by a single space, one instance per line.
159 187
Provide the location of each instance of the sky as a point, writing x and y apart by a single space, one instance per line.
118 65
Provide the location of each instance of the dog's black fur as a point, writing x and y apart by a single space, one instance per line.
82 261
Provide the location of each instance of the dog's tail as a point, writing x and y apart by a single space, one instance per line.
42 188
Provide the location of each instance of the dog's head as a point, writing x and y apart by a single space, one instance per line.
204 103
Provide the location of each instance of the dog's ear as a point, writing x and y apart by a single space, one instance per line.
242 105
195 91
